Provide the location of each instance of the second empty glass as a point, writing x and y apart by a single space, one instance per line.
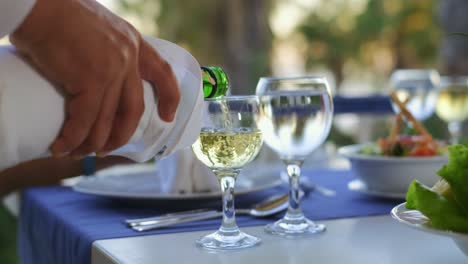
295 116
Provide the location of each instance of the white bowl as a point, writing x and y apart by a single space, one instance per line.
392 174
415 219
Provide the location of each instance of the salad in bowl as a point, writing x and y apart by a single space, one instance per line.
406 146
418 144
390 164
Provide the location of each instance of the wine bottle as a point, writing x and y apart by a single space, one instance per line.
215 82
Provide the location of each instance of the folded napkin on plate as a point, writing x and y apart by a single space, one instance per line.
182 172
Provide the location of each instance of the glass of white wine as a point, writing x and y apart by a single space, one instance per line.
228 141
419 88
452 104
295 119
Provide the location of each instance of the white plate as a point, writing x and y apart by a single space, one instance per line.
142 182
359 186
416 220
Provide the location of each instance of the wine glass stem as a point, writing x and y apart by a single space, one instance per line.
294 171
454 128
227 181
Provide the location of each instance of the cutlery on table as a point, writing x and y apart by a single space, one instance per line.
156 219
268 207
308 186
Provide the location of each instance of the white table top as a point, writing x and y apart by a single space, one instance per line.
377 239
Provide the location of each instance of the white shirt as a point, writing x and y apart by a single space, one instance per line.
12 14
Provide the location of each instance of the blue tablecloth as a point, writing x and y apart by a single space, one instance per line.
58 225
373 104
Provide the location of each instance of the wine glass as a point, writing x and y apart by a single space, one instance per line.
295 119
452 104
229 139
417 87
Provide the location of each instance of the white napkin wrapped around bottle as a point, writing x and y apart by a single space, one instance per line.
182 172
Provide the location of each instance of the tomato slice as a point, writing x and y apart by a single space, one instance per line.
422 151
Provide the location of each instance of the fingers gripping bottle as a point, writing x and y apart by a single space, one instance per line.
32 110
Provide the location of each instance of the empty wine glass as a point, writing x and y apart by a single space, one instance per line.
417 87
452 104
295 119
228 141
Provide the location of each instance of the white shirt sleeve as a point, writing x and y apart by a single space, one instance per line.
12 14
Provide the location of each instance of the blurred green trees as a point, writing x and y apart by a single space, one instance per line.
380 35
373 35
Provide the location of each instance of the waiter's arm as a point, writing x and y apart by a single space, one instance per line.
47 171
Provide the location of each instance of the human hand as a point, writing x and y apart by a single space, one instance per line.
98 60
48 171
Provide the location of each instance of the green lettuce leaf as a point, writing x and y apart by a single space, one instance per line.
443 213
456 174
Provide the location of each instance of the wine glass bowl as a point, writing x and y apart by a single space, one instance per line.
295 118
229 140
452 104
289 121
419 88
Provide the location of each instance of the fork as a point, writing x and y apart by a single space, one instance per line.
268 207
308 186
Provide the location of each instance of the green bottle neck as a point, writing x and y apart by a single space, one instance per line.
215 82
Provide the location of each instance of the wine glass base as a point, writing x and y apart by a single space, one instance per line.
220 241
294 228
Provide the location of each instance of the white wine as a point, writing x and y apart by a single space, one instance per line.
226 117
452 104
227 149
421 102
295 124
